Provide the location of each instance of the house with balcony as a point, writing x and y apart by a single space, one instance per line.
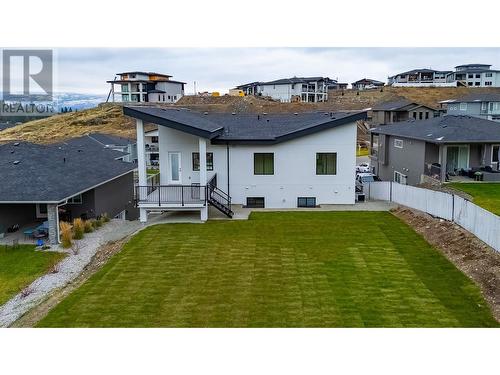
145 87
475 75
482 105
421 78
438 149
401 110
366 84
254 160
295 89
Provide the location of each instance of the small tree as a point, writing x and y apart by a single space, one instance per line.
78 229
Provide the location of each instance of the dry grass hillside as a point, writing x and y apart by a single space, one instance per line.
106 118
423 95
109 119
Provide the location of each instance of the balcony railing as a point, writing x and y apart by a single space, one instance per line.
171 195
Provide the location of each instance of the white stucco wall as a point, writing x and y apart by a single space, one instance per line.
281 92
294 167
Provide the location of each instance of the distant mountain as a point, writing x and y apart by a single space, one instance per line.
76 101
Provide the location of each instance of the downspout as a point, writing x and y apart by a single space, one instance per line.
227 158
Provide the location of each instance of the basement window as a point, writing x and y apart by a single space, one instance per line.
306 202
255 202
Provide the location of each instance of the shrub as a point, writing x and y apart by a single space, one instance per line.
88 226
98 223
78 229
66 235
105 218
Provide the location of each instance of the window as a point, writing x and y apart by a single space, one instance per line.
484 106
154 139
463 106
478 75
196 161
398 143
306 202
470 76
255 202
477 83
489 75
399 178
420 115
125 98
426 115
495 155
469 83
41 211
124 88
488 83
77 199
374 145
263 163
326 163
415 115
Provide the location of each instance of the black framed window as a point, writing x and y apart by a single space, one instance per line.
306 202
255 202
326 163
196 161
263 163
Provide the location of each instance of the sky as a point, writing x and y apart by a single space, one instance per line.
86 70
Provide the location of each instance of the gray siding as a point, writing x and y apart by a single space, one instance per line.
473 109
408 160
116 196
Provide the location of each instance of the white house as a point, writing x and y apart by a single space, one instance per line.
301 89
254 160
142 87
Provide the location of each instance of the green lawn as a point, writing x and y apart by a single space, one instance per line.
294 269
486 195
22 265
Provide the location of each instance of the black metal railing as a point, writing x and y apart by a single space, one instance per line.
171 194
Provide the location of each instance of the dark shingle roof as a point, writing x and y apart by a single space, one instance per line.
471 65
52 173
294 80
369 80
244 127
477 97
446 129
422 71
393 105
110 140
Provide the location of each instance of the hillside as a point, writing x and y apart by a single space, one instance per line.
109 119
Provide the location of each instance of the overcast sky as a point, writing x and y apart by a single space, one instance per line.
86 70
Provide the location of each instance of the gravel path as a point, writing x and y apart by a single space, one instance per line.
68 269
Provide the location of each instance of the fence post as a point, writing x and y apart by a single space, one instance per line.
159 195
390 191
453 208
182 195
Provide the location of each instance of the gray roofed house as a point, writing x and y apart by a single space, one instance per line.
482 105
420 78
440 148
367 83
401 109
76 178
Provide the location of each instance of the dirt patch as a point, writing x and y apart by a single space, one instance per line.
32 317
473 257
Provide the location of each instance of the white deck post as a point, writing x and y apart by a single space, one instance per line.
141 164
202 148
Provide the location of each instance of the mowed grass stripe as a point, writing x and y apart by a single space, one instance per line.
293 269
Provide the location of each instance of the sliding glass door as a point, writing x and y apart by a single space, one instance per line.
457 158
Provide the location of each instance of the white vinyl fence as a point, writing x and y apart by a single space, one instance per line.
480 222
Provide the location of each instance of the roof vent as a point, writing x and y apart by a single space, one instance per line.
12 151
326 113
16 162
296 114
16 144
233 113
267 120
205 113
265 113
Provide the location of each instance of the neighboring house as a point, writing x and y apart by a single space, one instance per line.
482 105
410 152
302 89
151 147
77 178
475 75
142 87
255 160
367 83
401 110
421 78
127 146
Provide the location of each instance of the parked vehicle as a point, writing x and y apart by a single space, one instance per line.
363 168
365 178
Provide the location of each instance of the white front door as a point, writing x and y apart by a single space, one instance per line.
174 170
